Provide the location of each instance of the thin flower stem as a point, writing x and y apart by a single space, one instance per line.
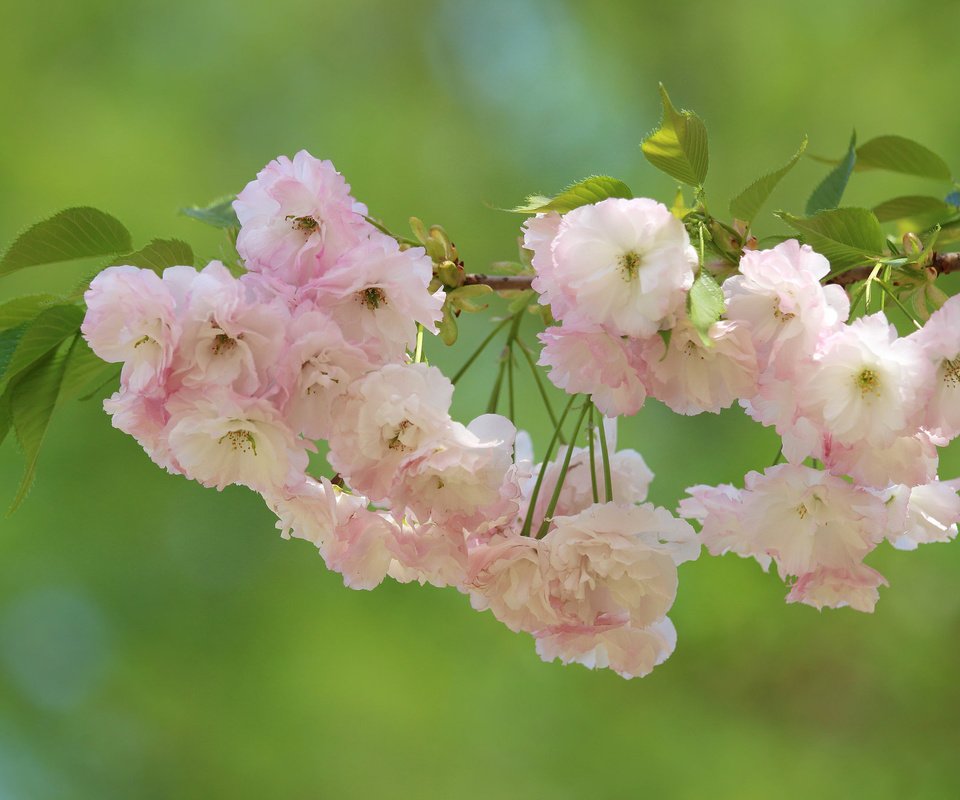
418 355
607 478
864 290
476 353
495 392
510 396
591 427
892 295
539 381
555 498
528 522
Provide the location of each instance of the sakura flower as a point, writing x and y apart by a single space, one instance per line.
506 577
316 371
353 541
628 263
377 294
429 553
940 340
778 295
592 361
923 514
806 519
629 651
297 218
855 586
910 460
131 317
388 415
219 437
538 235
229 339
456 480
719 511
691 378
867 385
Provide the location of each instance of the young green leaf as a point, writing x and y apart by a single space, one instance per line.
32 400
588 191
6 420
847 237
41 336
71 234
447 327
679 146
158 255
219 213
747 204
705 304
830 191
23 309
899 154
910 206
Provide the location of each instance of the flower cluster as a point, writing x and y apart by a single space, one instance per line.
868 404
231 380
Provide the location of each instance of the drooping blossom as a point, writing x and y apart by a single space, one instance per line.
590 360
940 340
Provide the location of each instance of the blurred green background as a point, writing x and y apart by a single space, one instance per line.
160 640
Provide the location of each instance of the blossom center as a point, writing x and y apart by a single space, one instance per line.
630 264
223 343
801 511
951 372
305 225
145 339
372 297
868 382
241 441
779 315
396 442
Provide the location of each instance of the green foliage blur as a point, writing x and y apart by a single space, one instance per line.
159 640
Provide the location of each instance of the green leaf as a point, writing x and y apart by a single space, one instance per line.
41 336
679 146
916 205
847 237
830 191
85 372
9 342
747 204
32 400
23 309
705 304
6 420
588 191
71 234
899 154
219 213
158 255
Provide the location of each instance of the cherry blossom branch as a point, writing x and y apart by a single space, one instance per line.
943 263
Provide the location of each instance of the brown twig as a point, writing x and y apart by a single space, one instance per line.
943 263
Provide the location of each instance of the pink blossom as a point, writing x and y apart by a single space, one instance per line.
538 235
719 510
316 371
836 587
690 377
229 338
143 416
131 317
378 293
628 263
940 340
867 385
629 651
908 459
353 541
297 218
456 480
429 553
806 519
219 437
923 514
779 297
388 415
592 361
